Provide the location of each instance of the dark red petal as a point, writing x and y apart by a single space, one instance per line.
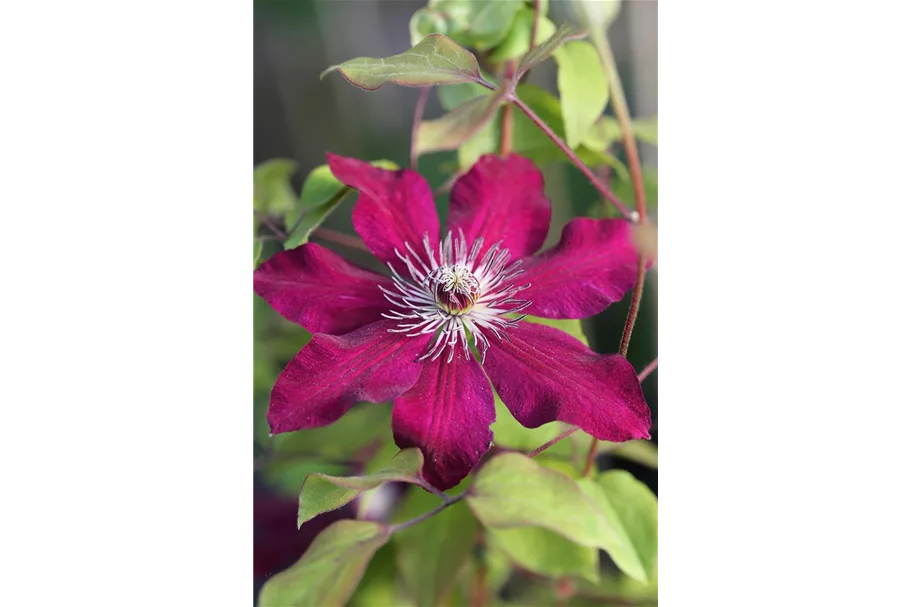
545 375
501 199
447 414
321 291
393 208
332 373
592 266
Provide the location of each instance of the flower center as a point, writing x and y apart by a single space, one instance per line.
454 287
453 295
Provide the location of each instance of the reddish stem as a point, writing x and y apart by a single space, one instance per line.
268 223
338 238
633 306
534 25
648 370
418 114
590 460
506 125
602 189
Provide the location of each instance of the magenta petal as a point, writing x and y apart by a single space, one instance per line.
447 414
320 290
543 375
592 266
332 373
501 199
393 208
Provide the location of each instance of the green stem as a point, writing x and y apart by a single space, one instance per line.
446 504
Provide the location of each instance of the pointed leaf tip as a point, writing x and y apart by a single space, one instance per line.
434 60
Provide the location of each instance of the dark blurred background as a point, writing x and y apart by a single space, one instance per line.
299 116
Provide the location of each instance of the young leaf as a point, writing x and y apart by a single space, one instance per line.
545 552
597 14
478 25
583 88
637 508
322 493
434 60
544 50
459 125
272 191
331 568
321 195
514 491
517 42
426 21
485 141
622 550
431 553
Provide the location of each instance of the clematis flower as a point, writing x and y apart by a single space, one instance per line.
408 337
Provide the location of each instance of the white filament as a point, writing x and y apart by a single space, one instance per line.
455 268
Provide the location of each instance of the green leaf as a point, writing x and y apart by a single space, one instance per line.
331 568
514 491
517 42
426 21
624 189
434 60
284 475
595 158
453 95
617 585
431 553
632 511
640 451
602 134
272 191
583 88
360 426
528 140
637 508
597 14
544 50
546 553
573 327
321 195
257 252
485 141
646 130
459 125
378 586
510 434
478 25
322 493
